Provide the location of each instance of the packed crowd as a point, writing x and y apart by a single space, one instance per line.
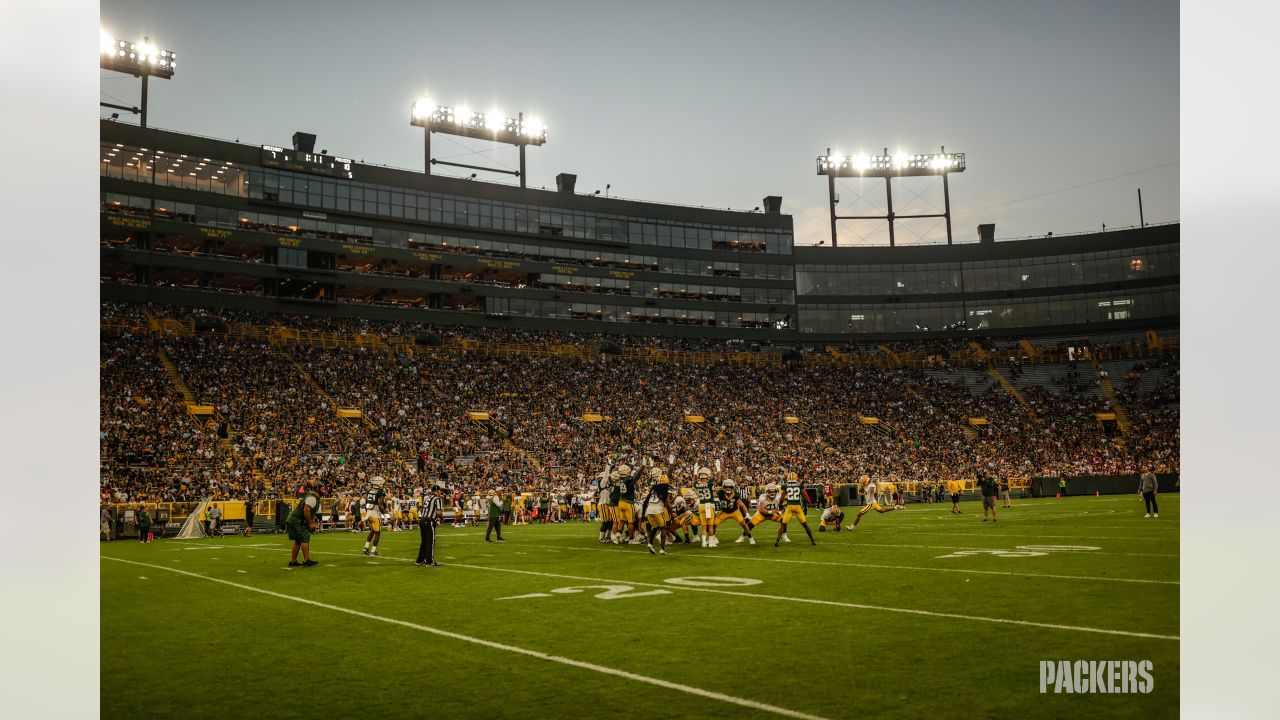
276 424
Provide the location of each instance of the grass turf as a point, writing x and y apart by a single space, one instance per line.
819 632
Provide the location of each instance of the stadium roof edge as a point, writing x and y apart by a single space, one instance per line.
250 154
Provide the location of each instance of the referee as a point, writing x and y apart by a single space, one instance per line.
427 521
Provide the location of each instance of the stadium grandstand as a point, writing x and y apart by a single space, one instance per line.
262 326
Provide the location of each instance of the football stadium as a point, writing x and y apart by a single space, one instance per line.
420 444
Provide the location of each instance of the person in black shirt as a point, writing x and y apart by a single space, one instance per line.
430 516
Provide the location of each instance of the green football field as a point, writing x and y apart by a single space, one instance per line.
917 613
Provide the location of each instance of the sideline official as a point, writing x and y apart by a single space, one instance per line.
427 521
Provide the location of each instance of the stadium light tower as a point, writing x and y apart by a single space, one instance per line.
142 60
491 126
888 167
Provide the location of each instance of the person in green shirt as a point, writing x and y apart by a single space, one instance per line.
144 523
495 516
1062 487
300 524
990 486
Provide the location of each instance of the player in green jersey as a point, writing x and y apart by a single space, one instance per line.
300 524
705 515
797 507
374 503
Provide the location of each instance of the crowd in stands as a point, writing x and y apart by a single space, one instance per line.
276 424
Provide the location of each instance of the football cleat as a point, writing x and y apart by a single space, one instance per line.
740 538
365 551
785 538
651 550
310 563
752 540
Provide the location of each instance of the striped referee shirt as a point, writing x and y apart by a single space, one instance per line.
431 509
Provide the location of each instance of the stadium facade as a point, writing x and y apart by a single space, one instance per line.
190 220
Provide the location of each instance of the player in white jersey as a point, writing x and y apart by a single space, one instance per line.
832 516
768 507
869 495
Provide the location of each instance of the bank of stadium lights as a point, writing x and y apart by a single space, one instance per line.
139 59
898 164
887 166
485 125
492 126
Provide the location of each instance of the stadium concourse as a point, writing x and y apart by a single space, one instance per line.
272 386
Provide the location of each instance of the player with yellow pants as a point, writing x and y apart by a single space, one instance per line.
657 510
682 517
731 507
705 513
797 508
870 503
767 506
626 512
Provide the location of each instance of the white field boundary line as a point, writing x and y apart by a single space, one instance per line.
1007 573
689 689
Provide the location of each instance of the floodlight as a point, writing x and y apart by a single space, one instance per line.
899 165
137 59
466 122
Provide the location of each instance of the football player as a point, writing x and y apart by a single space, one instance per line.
627 503
657 509
604 489
796 508
832 516
869 493
375 500
682 516
705 515
768 506
415 502
730 506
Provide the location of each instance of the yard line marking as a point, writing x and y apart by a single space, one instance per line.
691 690
522 597
968 532
873 544
710 556
836 603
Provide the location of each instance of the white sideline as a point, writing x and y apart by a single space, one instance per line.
710 694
